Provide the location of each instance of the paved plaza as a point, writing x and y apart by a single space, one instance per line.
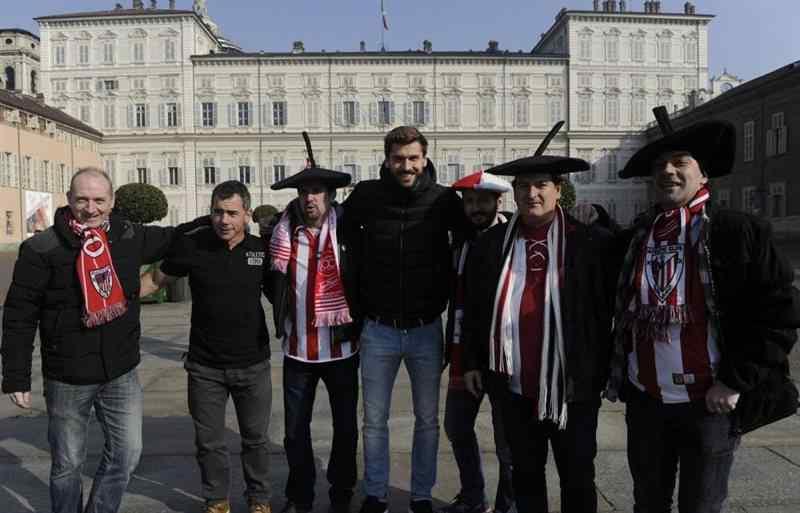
764 480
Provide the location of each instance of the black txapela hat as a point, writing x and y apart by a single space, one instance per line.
332 179
711 143
538 163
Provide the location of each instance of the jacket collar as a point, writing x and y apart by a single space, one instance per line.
63 230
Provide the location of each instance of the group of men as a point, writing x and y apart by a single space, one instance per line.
689 316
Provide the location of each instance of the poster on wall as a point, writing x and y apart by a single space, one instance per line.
38 211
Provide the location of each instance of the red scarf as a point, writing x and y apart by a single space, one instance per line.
662 277
103 297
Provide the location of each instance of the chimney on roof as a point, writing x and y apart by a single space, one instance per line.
623 7
647 7
656 7
688 8
118 6
596 5
172 4
298 47
427 46
362 46
154 4
138 4
493 46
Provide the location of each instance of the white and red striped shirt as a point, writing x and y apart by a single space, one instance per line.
304 341
681 369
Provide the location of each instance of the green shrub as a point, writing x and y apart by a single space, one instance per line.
264 212
567 200
140 202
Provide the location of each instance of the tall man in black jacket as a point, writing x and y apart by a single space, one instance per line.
537 326
705 318
78 281
398 227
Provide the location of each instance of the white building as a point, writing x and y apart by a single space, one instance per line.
19 61
182 108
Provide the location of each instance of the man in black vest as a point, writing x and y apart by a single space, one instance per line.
399 228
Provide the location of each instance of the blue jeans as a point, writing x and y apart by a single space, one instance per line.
382 350
118 408
662 437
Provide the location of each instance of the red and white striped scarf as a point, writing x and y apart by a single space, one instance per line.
504 334
103 297
329 305
661 270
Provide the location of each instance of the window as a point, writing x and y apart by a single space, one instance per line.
9 222
246 174
777 199
59 86
486 81
585 110
59 55
638 111
453 169
637 82
452 81
585 47
109 115
612 82
612 111
612 166
416 81
83 84
382 81
749 140
140 112
418 113
138 53
665 83
312 81
690 51
46 176
520 81
612 48
7 161
585 80
780 132
521 111
138 84
108 52
209 171
749 199
142 173
637 49
243 114
278 168
110 85
208 114
385 112
723 198
312 112
171 111
453 111
170 83
349 113
664 49
83 54
554 110
169 50
279 114
486 113
85 114
173 171
347 81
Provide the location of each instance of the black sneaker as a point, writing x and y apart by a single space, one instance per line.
374 505
458 505
420 506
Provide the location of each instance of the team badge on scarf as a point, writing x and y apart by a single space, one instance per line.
103 297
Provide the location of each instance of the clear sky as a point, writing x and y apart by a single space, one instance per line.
748 37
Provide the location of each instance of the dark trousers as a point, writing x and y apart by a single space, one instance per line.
662 437
461 410
251 390
299 390
574 450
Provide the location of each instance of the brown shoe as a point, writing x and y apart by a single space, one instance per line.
259 507
218 507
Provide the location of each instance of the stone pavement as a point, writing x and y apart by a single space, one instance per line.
765 476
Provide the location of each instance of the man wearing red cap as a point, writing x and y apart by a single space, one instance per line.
481 193
539 301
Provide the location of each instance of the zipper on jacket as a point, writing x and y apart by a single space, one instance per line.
402 263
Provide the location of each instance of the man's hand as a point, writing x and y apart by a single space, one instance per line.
21 399
721 399
151 281
474 382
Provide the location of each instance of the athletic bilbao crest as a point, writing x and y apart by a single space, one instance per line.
663 269
103 280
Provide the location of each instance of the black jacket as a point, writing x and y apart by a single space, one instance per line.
401 239
753 292
45 292
587 304
277 287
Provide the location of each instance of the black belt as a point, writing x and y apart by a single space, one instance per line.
403 324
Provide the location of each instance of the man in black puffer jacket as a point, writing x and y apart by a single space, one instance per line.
398 228
78 281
